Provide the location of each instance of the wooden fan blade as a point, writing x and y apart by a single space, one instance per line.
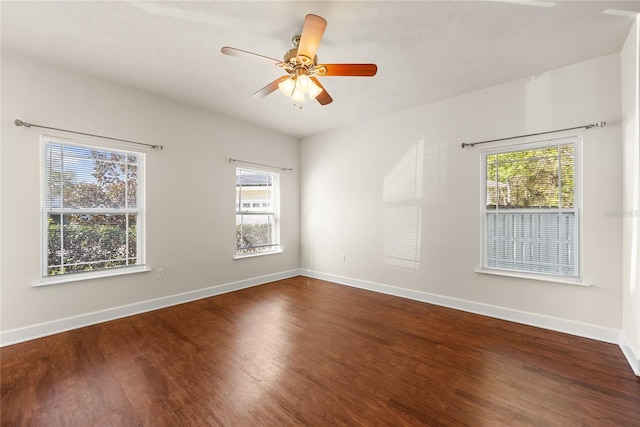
232 51
353 70
324 98
312 32
269 88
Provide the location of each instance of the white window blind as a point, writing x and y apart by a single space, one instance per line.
531 209
257 211
92 208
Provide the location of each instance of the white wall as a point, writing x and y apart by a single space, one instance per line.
398 186
190 191
369 190
630 215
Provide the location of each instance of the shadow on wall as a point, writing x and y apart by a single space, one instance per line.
415 181
402 197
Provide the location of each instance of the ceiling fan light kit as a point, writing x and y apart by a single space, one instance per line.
301 65
297 86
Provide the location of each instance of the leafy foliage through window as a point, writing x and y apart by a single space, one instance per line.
256 211
530 209
92 208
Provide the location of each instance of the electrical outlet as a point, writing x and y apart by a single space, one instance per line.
160 273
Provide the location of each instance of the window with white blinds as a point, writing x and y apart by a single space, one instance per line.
92 208
257 212
531 210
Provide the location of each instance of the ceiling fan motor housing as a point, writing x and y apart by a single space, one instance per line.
292 57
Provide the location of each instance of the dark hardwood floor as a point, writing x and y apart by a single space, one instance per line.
307 352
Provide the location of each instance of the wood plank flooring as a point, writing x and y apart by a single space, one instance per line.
308 352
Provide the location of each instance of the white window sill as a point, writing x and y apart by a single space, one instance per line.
540 278
255 254
77 277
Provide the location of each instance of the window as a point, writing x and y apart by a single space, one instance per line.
257 222
92 208
531 209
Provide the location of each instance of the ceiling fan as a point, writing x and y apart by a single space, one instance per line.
301 65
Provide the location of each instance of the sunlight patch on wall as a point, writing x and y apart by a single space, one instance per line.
402 230
402 197
635 136
631 114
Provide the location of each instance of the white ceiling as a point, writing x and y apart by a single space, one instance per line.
425 50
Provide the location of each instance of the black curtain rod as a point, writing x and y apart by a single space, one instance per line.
19 122
589 126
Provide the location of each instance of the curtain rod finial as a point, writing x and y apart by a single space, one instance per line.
596 125
19 122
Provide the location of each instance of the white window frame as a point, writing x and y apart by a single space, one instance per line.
139 211
272 209
574 278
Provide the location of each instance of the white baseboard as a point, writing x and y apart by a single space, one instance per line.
18 335
546 322
633 357
608 335
614 336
